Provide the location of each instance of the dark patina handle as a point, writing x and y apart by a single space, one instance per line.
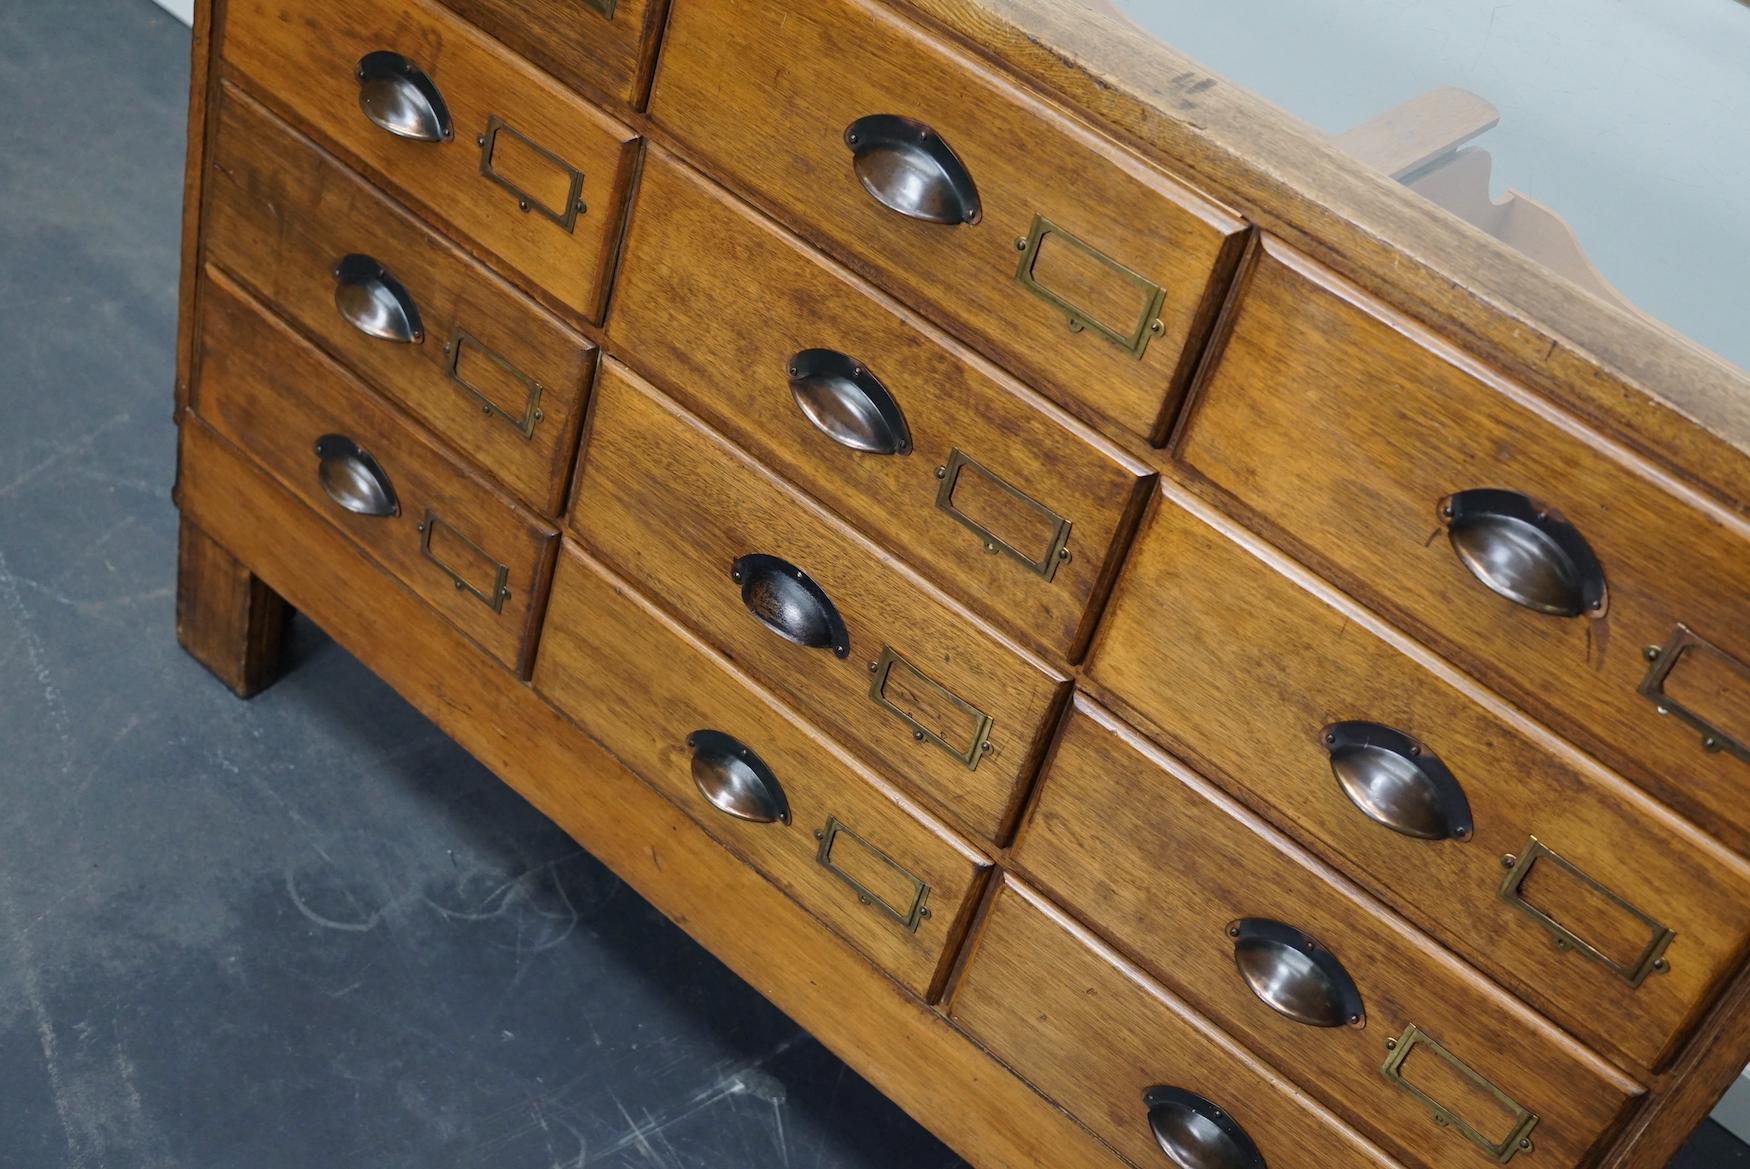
1524 552
735 780
352 478
396 95
1294 975
1195 1134
1397 782
374 302
908 168
783 599
847 403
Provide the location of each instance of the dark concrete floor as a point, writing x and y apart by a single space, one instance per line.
307 930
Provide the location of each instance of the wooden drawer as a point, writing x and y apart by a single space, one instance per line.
455 538
920 686
1221 908
1262 658
1089 272
1326 405
1054 500
487 369
843 843
607 47
1095 1034
528 172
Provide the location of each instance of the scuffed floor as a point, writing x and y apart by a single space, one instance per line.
303 931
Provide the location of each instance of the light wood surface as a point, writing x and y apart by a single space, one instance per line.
905 1049
1145 851
1257 658
682 312
1017 150
272 394
1093 1033
642 685
226 619
1343 427
609 56
311 79
670 506
280 217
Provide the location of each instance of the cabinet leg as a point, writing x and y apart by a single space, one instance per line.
226 618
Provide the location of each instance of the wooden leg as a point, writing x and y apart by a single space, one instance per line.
226 618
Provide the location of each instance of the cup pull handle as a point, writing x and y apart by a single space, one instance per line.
844 401
374 302
353 479
785 600
1294 975
396 94
735 780
1397 782
1524 552
1195 1134
908 168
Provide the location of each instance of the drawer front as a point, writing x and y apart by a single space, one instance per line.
1088 272
522 168
606 47
770 788
1031 524
1622 936
458 348
1222 909
449 534
1324 405
919 688
1096 1035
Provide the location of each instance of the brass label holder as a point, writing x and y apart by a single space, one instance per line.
523 424
1518 1138
565 216
1057 543
978 743
605 7
1134 338
500 589
1664 659
1659 937
908 916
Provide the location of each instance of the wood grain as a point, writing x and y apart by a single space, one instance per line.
299 57
668 504
1152 855
203 49
1315 373
641 685
226 618
281 215
1258 658
905 1049
682 314
777 129
610 57
1667 398
1093 1033
271 393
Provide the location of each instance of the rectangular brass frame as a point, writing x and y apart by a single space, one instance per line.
500 589
1148 325
1516 1141
908 918
565 217
605 7
1046 566
1659 937
532 414
1652 688
982 722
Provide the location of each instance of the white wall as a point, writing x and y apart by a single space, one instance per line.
183 10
